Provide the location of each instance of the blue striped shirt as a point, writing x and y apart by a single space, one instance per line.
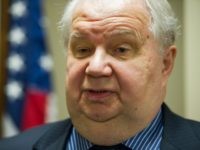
148 139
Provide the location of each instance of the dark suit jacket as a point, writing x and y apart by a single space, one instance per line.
178 134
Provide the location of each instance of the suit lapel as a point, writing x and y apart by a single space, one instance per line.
55 138
177 133
167 146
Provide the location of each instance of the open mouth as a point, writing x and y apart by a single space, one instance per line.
98 95
98 91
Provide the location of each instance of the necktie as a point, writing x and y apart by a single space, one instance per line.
115 147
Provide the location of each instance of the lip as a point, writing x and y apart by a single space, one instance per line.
98 95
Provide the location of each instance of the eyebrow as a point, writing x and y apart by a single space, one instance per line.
112 33
137 36
77 35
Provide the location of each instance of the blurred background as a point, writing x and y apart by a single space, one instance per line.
32 63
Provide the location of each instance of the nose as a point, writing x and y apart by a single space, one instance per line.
98 65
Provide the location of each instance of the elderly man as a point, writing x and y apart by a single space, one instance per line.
120 55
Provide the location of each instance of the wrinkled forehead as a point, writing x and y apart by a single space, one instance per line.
104 8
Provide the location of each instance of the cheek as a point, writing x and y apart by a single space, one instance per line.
134 84
74 79
134 79
130 79
74 76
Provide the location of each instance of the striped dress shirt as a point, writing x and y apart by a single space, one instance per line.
148 139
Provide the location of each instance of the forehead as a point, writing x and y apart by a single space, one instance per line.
99 19
104 8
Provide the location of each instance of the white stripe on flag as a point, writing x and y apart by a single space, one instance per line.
9 129
51 109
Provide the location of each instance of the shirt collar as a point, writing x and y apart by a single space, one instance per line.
150 137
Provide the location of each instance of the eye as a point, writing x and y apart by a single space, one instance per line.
82 52
123 51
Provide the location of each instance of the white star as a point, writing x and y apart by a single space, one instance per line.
15 63
17 36
14 90
18 9
46 62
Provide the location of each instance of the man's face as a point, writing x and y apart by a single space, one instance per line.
115 72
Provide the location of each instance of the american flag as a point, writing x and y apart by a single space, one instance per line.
29 88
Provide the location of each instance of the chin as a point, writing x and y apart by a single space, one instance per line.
100 115
99 131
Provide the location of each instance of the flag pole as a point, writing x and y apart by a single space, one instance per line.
4 19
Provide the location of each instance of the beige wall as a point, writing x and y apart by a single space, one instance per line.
54 10
192 58
175 97
184 83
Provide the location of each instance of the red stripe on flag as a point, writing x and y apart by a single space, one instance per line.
34 109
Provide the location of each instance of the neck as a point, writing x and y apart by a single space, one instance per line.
109 133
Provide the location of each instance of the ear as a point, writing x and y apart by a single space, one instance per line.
168 61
